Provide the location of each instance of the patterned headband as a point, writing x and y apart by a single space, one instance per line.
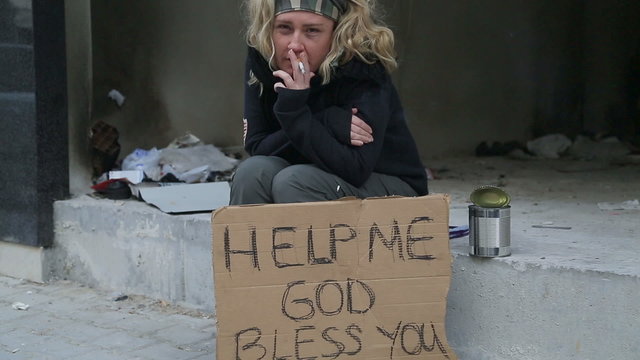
329 8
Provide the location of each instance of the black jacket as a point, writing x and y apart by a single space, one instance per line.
314 125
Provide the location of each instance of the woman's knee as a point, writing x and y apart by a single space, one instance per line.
257 169
301 183
252 180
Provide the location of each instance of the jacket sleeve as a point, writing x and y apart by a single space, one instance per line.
319 143
263 138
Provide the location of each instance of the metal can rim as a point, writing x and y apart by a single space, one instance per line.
490 196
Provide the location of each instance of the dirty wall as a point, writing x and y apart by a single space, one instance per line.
470 71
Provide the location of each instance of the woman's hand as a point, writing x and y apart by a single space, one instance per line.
300 78
361 133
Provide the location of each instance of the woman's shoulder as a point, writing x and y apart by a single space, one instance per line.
357 69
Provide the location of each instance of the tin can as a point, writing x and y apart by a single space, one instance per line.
490 197
489 231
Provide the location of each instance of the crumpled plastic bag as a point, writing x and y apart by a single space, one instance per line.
188 164
145 160
188 158
187 140
549 146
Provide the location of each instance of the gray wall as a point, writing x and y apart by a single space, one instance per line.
466 71
471 71
80 88
179 64
612 67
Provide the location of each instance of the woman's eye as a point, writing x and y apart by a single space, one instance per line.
312 30
282 27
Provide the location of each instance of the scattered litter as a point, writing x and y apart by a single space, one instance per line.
105 149
187 140
178 162
552 227
183 198
185 159
149 174
20 306
549 146
116 96
120 297
133 176
196 175
144 160
606 149
498 148
115 189
625 205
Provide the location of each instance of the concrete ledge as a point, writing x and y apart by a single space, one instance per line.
563 294
500 310
131 247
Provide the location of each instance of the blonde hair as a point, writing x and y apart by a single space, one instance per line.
359 33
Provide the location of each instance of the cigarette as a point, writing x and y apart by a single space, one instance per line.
301 67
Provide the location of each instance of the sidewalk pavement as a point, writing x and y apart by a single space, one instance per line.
66 321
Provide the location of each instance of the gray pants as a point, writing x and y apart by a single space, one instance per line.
270 179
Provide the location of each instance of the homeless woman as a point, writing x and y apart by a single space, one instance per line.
322 119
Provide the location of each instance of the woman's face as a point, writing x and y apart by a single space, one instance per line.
303 32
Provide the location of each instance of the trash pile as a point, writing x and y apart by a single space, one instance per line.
186 160
555 146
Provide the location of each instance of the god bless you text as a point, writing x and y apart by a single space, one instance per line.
297 336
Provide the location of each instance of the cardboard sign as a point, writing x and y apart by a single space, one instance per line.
354 279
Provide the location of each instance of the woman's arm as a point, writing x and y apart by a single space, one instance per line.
261 136
319 144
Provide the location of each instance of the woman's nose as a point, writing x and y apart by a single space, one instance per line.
295 44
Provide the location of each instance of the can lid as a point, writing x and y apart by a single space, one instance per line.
490 197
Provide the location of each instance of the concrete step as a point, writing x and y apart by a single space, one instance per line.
563 294
132 247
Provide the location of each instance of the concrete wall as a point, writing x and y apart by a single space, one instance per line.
179 64
466 71
612 67
80 89
470 71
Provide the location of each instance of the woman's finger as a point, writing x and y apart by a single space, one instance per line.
359 134
359 131
355 142
297 64
283 75
356 121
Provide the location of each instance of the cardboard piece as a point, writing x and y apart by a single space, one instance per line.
185 198
357 279
133 176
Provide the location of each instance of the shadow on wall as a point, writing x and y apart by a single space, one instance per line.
179 66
